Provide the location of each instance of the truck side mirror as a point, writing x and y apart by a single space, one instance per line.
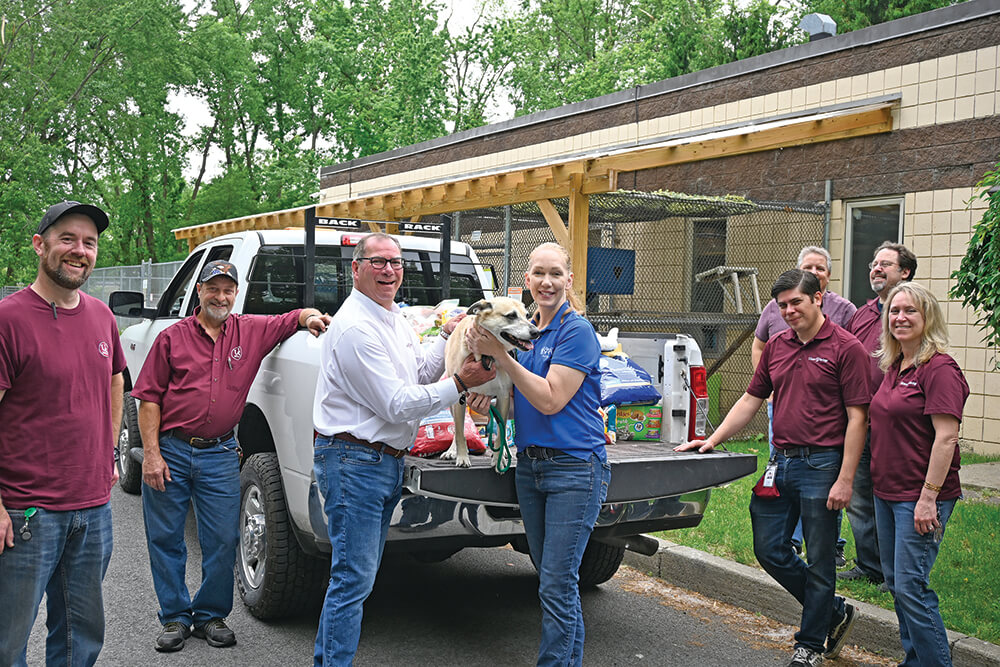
129 304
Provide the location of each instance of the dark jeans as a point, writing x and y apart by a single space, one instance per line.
861 514
804 484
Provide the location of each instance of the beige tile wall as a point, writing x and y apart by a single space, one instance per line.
937 227
939 90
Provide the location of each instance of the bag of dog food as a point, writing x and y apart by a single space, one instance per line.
623 381
437 432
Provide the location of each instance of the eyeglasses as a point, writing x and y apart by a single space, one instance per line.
380 262
883 264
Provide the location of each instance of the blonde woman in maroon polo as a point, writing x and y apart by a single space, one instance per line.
818 374
914 421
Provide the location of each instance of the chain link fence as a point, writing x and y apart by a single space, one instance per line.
664 262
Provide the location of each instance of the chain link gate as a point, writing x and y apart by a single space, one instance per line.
666 262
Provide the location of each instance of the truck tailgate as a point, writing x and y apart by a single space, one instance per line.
639 471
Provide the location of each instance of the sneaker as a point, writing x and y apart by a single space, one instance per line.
856 573
838 633
839 557
804 657
216 633
172 637
797 548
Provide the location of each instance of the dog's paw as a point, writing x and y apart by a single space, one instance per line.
463 461
450 453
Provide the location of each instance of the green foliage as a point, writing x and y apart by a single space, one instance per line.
977 280
127 103
857 14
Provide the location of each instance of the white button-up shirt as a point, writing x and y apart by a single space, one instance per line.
376 381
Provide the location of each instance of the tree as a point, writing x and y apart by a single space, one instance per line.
857 14
977 280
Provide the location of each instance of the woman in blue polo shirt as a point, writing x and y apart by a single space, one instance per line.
562 472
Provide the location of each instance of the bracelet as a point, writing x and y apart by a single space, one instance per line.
311 315
444 334
933 487
461 384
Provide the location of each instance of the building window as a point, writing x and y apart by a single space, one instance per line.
708 250
869 223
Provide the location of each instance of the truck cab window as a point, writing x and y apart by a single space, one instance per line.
173 298
223 252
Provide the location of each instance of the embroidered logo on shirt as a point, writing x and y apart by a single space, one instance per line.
819 360
104 350
908 383
236 353
545 352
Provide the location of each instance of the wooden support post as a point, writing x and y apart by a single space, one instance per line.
556 224
579 226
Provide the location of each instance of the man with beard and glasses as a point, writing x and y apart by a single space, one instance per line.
61 389
192 390
892 264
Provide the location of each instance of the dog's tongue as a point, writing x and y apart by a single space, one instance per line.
528 345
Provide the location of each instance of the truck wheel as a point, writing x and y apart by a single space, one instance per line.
274 576
129 470
600 562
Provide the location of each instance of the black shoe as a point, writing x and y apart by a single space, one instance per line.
883 587
839 557
216 633
838 633
804 657
856 573
172 638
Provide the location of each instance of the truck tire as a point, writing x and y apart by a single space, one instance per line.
600 562
129 470
274 576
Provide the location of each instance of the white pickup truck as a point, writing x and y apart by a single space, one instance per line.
282 562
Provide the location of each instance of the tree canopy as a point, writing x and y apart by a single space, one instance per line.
127 103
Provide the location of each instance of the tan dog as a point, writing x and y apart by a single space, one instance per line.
506 319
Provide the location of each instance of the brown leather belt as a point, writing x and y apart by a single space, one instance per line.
195 441
379 447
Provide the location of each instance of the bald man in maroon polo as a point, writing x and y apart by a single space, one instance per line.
818 374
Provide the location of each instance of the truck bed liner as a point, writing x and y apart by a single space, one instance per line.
639 471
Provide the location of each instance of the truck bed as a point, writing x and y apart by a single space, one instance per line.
639 471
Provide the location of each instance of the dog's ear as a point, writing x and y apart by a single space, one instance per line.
479 306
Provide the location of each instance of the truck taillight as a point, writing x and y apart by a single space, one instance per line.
698 413
351 239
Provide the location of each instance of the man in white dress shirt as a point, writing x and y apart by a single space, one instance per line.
376 383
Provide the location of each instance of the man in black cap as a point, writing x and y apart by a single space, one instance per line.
61 385
192 390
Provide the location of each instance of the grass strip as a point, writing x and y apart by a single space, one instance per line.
966 576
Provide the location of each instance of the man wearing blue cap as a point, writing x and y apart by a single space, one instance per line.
192 390
61 385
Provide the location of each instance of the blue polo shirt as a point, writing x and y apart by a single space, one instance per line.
578 429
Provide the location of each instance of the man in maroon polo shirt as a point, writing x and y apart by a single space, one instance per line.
818 374
192 390
61 386
893 263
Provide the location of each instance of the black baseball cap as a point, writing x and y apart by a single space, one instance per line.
57 211
218 268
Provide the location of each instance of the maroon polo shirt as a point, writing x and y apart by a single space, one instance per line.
902 430
56 436
812 384
201 385
866 325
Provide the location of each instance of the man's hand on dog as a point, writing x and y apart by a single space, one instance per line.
473 374
449 327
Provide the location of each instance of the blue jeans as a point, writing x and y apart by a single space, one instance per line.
804 483
797 533
861 513
211 478
560 498
360 488
907 559
66 559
